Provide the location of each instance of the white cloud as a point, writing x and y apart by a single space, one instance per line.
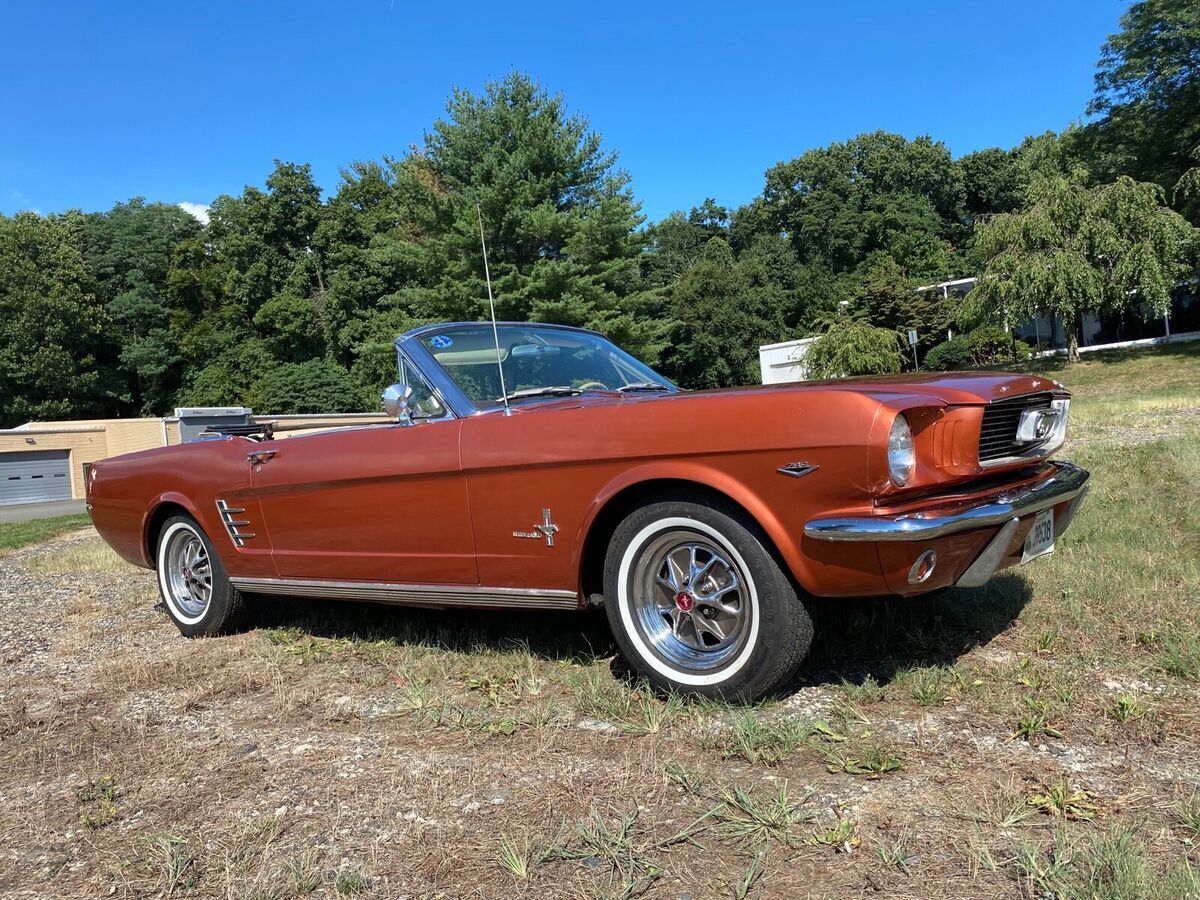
199 210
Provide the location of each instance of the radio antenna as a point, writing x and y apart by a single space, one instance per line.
487 275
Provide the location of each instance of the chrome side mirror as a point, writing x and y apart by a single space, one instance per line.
397 402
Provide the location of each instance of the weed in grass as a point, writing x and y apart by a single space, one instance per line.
1187 811
649 715
1005 808
929 687
173 861
754 873
1125 709
752 817
515 856
349 883
871 760
1026 674
305 873
685 779
613 845
764 741
98 801
843 837
1044 870
979 853
866 691
1045 641
1060 800
1115 866
1180 654
898 853
1036 721
598 696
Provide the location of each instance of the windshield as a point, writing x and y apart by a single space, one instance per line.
538 361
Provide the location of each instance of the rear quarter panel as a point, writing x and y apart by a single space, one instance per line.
127 490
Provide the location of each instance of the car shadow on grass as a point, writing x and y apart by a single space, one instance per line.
578 637
878 638
855 638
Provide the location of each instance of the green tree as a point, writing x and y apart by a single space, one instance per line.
1115 247
128 251
852 347
50 321
313 386
1148 95
878 191
560 219
716 335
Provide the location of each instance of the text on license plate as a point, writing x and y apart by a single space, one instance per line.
1040 539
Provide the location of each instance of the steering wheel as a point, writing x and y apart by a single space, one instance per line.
593 386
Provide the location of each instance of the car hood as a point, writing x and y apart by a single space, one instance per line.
951 389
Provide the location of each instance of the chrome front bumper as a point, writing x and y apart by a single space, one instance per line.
1068 483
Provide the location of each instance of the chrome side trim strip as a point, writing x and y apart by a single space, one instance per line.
984 567
1066 483
435 595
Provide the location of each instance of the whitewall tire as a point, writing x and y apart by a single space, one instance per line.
698 602
192 581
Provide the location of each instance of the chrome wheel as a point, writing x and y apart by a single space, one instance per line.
690 600
188 572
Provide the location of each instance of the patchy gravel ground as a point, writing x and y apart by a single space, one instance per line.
1027 739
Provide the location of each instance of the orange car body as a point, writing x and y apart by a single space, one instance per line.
515 510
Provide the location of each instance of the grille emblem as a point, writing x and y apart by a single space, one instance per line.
229 515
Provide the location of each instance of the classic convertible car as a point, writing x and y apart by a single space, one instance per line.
539 466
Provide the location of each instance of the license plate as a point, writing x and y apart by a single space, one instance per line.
1040 539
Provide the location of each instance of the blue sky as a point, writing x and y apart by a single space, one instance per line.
178 102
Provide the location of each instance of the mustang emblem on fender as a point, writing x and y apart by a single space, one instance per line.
546 530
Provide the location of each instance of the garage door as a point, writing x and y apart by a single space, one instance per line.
35 476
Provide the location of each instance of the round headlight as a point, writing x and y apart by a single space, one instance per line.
901 457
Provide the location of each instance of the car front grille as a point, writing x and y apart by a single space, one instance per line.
998 433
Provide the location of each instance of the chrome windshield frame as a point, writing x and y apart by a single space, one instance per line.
412 349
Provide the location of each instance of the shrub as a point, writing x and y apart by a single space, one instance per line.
949 355
986 346
854 348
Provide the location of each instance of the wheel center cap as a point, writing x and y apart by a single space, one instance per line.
685 601
187 573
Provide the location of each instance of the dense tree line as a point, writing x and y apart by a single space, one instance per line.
289 302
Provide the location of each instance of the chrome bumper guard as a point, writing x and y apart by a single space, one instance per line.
1068 482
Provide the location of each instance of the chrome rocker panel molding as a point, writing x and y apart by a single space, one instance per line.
431 595
1066 483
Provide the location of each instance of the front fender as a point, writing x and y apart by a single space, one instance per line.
707 476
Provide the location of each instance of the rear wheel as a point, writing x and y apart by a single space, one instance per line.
699 604
194 585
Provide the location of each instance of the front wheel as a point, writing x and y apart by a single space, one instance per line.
698 603
194 585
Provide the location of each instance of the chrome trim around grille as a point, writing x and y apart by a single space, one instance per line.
1065 484
434 595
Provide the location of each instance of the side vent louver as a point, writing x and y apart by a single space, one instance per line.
229 515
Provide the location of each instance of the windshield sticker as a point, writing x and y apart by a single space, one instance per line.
441 341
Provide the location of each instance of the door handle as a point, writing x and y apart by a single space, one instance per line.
258 457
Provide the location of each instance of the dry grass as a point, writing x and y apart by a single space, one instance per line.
93 556
1037 737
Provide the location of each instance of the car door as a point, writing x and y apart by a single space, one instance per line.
384 503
